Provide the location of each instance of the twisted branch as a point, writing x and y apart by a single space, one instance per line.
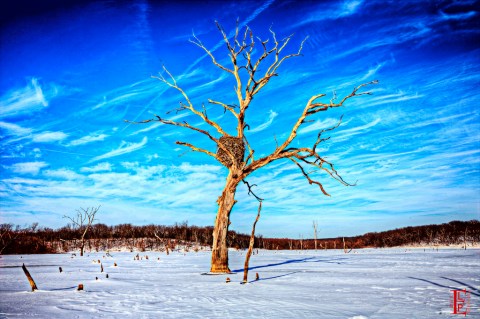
250 192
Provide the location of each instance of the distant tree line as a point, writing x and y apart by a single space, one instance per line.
100 237
452 233
36 240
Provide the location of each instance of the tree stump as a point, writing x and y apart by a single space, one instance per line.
80 287
29 277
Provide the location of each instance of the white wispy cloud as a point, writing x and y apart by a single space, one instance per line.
97 168
210 83
344 134
271 116
319 125
32 168
94 137
15 129
141 32
117 100
147 129
189 168
29 99
345 9
138 189
458 16
48 137
371 72
124 148
393 98
138 92
62 173
349 7
439 120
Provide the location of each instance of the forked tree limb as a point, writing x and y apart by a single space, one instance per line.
313 107
193 128
189 105
309 156
250 192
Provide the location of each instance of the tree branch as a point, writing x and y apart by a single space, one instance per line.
310 181
250 192
225 107
313 107
199 43
197 149
189 106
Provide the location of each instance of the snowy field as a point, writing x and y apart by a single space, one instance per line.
369 283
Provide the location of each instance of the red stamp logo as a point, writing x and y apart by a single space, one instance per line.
460 302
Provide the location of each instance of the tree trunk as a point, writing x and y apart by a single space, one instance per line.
250 247
219 263
29 277
82 247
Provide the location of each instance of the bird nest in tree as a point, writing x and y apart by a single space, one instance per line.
235 146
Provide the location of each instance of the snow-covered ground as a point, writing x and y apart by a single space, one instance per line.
368 283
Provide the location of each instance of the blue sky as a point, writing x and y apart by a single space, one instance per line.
71 74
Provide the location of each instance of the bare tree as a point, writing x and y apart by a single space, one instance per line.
162 240
83 222
8 235
254 62
315 227
345 248
290 244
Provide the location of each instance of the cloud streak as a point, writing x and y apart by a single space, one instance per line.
31 98
49 137
15 129
271 116
124 148
32 168
324 12
95 137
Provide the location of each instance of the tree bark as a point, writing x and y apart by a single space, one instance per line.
82 247
219 263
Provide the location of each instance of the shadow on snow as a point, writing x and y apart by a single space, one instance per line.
294 261
473 290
